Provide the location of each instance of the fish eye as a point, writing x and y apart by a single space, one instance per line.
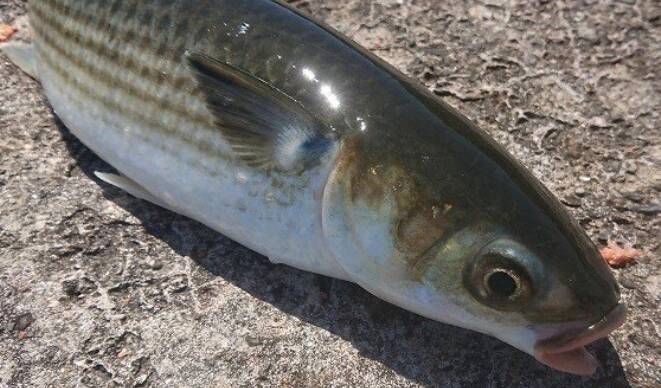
502 283
498 281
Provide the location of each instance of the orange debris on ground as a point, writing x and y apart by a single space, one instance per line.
123 353
6 31
616 256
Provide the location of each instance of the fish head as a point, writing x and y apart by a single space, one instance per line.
543 299
445 223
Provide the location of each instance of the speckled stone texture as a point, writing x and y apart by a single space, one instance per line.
100 289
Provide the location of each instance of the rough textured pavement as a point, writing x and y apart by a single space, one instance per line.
100 289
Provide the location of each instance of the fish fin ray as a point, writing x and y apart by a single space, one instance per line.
133 188
22 55
265 127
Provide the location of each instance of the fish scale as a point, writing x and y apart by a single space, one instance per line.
121 71
287 137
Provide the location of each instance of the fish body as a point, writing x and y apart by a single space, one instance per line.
282 134
117 76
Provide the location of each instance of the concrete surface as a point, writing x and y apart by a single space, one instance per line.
100 289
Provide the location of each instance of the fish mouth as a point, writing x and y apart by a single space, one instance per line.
567 352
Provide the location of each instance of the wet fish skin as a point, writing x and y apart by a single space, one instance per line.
378 182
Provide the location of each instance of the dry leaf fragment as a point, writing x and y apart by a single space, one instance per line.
617 256
6 31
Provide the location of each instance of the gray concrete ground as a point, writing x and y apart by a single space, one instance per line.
100 289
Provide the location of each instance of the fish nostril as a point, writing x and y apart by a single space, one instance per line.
598 301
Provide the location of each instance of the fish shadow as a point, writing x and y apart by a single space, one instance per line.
426 352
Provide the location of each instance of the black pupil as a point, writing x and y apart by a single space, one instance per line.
501 283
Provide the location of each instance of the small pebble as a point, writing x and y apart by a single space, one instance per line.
630 167
23 322
155 265
572 200
253 341
650 209
627 283
622 220
603 236
115 317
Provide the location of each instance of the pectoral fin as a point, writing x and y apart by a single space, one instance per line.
266 128
23 56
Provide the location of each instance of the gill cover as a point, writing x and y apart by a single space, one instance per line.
363 223
357 234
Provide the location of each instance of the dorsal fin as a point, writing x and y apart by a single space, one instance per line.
266 128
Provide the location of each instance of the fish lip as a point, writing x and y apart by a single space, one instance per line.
600 329
548 350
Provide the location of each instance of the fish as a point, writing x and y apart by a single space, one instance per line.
281 133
